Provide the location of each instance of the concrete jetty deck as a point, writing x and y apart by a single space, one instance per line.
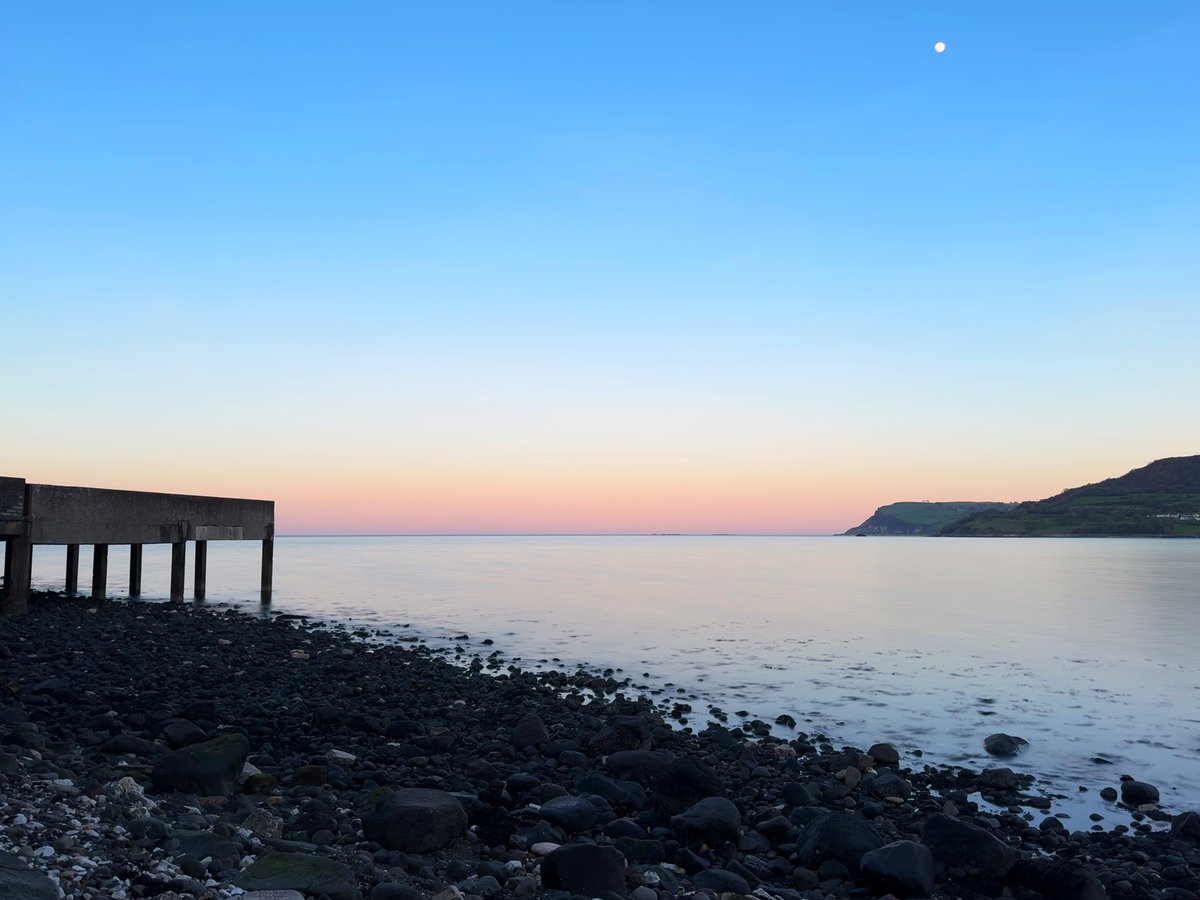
37 514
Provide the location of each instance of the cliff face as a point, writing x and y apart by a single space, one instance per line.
1159 499
920 518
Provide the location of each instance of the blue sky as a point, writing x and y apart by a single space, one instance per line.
584 266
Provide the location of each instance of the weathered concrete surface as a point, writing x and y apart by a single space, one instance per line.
77 515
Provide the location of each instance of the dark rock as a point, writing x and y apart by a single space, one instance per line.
391 890
572 814
1062 880
903 867
643 766
720 881
182 733
131 743
957 844
530 731
641 851
842 836
210 768
713 821
688 779
306 873
622 733
310 776
19 882
1135 793
1186 827
884 754
889 784
627 794
1001 744
587 869
416 820
1001 779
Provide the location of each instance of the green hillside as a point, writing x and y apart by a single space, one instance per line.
908 518
1160 499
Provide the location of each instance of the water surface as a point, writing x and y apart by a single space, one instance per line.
1085 647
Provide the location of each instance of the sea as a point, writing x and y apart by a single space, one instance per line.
1086 648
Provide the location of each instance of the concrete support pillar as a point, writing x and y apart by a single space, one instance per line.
72 569
18 564
201 568
178 560
135 570
268 567
99 571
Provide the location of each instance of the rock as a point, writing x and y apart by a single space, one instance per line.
689 779
902 867
206 844
416 820
1060 879
182 733
889 784
572 814
1001 744
957 844
1109 794
310 776
713 821
720 881
530 731
1135 793
210 768
131 743
843 836
642 766
269 895
585 869
622 733
1001 779
19 882
263 824
627 794
389 890
1186 827
303 872
884 754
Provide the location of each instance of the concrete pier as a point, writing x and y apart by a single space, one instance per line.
40 514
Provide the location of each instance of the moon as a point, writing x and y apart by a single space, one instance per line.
939 47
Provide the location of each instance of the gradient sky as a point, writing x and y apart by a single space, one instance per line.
597 266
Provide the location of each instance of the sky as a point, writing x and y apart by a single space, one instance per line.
418 267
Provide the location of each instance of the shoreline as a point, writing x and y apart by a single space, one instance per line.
98 692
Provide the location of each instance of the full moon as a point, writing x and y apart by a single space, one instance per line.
940 47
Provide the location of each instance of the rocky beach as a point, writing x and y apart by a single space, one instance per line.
172 750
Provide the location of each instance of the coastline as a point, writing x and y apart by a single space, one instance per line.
97 692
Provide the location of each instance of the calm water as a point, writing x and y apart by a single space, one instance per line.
1084 647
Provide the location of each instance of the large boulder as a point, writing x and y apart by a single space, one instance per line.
960 845
210 768
843 836
19 882
713 821
303 872
904 868
416 820
587 869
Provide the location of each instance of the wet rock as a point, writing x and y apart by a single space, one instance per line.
713 820
720 881
530 731
416 820
843 836
1000 779
572 814
308 874
1135 793
884 754
902 867
585 869
1062 880
1186 827
958 844
1001 744
19 882
210 768
622 733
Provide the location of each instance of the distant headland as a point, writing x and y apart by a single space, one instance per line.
1161 499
